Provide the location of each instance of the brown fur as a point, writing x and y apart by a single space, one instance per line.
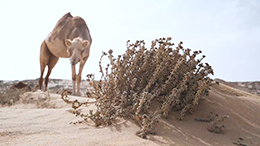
54 47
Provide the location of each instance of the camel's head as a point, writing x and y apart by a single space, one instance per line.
76 48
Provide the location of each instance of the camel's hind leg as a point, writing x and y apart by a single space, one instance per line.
46 59
52 62
41 77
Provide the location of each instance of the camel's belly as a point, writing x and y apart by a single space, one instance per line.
57 48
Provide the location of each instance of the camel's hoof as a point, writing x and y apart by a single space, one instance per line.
76 94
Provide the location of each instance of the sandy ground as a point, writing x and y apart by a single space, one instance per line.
25 124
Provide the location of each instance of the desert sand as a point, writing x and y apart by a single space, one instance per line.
25 124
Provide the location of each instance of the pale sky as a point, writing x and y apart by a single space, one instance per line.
227 32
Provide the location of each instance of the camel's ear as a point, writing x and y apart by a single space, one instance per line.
68 42
85 43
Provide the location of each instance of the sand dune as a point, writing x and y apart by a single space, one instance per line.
27 124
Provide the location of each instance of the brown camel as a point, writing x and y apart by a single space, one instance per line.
70 38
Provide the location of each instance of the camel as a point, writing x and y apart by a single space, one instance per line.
71 39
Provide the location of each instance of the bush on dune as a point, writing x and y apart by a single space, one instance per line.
146 84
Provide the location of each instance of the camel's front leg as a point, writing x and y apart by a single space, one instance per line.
73 69
82 63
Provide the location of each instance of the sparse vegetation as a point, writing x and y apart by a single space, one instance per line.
216 122
209 118
146 84
41 101
75 103
45 103
10 96
216 125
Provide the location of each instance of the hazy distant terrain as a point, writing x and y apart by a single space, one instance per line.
251 87
55 85
59 84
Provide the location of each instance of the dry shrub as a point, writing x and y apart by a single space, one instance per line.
10 96
45 103
75 103
216 125
11 93
41 101
146 84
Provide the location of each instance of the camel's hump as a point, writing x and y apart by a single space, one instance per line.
78 21
66 16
